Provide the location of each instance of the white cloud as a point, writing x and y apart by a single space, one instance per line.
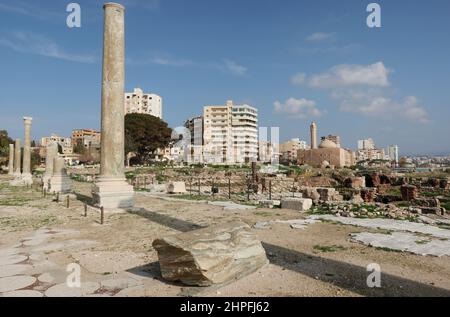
298 79
374 75
234 68
298 108
363 89
36 44
375 104
319 37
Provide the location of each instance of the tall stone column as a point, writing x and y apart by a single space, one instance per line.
26 169
111 190
11 160
51 153
313 129
17 159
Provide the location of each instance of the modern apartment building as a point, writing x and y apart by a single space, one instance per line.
288 150
230 133
140 102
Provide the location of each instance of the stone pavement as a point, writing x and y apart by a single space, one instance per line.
26 271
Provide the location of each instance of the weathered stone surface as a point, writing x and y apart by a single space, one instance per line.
329 194
51 153
212 255
14 269
26 169
176 188
368 195
299 204
12 259
12 283
23 293
355 182
311 192
62 290
409 192
111 190
120 283
11 160
60 182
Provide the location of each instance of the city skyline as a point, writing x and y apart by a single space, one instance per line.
316 62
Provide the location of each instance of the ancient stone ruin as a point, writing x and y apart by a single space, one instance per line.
213 255
60 182
111 190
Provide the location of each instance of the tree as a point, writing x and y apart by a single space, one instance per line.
5 141
144 134
78 148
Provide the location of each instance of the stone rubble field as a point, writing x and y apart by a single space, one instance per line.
309 255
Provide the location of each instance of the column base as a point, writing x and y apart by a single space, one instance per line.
60 184
17 181
113 193
27 179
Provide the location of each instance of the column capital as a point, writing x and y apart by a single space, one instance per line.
114 4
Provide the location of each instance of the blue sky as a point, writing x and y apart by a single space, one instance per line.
296 61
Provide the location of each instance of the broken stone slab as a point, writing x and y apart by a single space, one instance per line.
176 188
213 255
299 204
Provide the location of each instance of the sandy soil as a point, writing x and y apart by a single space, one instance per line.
301 261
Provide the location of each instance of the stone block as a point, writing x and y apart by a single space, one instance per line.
409 192
176 188
213 255
299 204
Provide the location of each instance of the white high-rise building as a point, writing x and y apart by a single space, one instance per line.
140 102
367 144
392 153
230 133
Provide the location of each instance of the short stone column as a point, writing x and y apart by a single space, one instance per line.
17 181
26 170
17 159
111 191
50 155
60 182
11 160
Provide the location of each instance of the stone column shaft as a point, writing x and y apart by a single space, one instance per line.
26 168
113 89
111 191
11 160
17 158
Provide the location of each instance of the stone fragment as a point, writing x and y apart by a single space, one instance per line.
355 182
299 204
213 255
409 192
176 188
